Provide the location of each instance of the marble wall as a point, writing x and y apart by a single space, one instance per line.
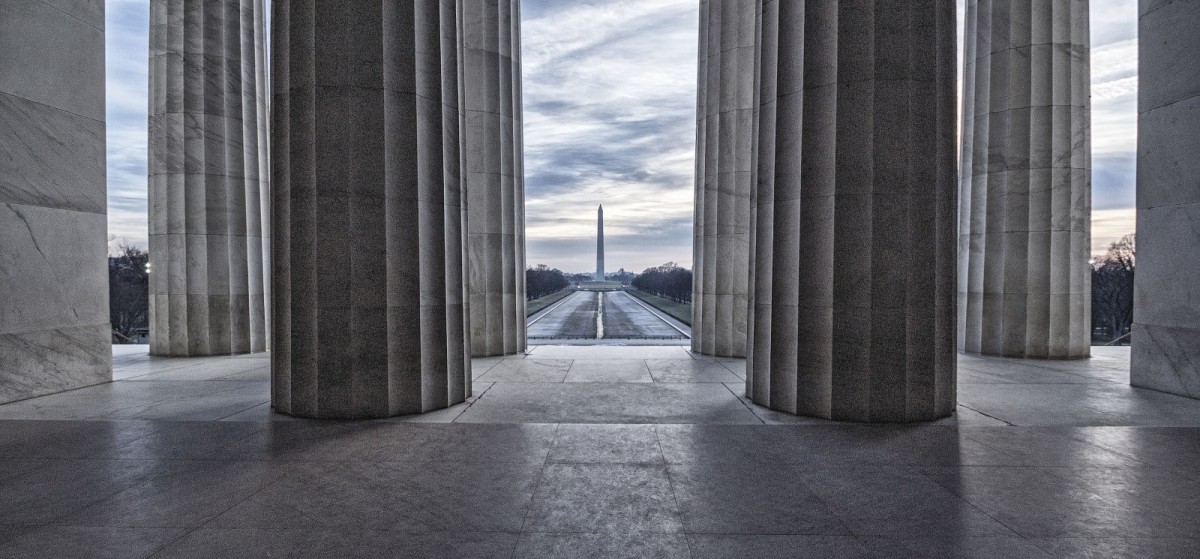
208 183
1166 329
855 210
495 175
1025 183
369 284
54 329
724 169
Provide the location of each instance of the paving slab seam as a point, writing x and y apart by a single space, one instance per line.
1006 422
674 494
245 410
743 402
534 490
968 502
191 531
471 402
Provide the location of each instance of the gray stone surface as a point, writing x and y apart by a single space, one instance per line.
625 317
54 331
209 198
855 211
573 317
1024 278
495 175
369 282
175 485
593 317
1166 329
724 165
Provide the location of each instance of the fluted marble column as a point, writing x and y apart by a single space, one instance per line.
1166 328
208 181
368 249
1024 283
54 316
495 177
724 164
855 208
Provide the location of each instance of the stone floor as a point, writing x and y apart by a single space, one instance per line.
600 452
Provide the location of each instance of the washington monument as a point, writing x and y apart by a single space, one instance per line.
600 243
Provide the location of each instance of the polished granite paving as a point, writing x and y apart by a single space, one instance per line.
600 452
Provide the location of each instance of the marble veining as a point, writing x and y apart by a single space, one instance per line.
724 177
1024 279
208 180
54 332
1166 329
492 144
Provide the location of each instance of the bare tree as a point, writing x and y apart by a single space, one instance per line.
128 291
542 280
1112 289
669 280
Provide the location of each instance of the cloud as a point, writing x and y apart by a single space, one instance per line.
127 43
610 101
1108 226
609 118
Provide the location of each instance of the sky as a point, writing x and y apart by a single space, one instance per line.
610 101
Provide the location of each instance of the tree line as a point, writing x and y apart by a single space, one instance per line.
128 293
669 280
542 280
1112 291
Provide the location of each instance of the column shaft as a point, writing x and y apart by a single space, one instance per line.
492 143
1024 284
1166 328
54 315
724 165
208 177
854 210
368 244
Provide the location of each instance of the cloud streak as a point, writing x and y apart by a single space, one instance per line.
127 44
610 94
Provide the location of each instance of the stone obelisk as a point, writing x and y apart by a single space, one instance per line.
600 243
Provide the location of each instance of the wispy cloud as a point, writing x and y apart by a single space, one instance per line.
1114 120
127 40
610 101
610 112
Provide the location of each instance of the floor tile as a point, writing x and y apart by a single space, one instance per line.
728 546
608 403
1172 448
528 370
609 498
210 543
607 351
602 546
609 370
606 444
1080 404
690 370
1078 501
85 543
937 546
749 497
882 500
62 487
1120 548
399 496
182 497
